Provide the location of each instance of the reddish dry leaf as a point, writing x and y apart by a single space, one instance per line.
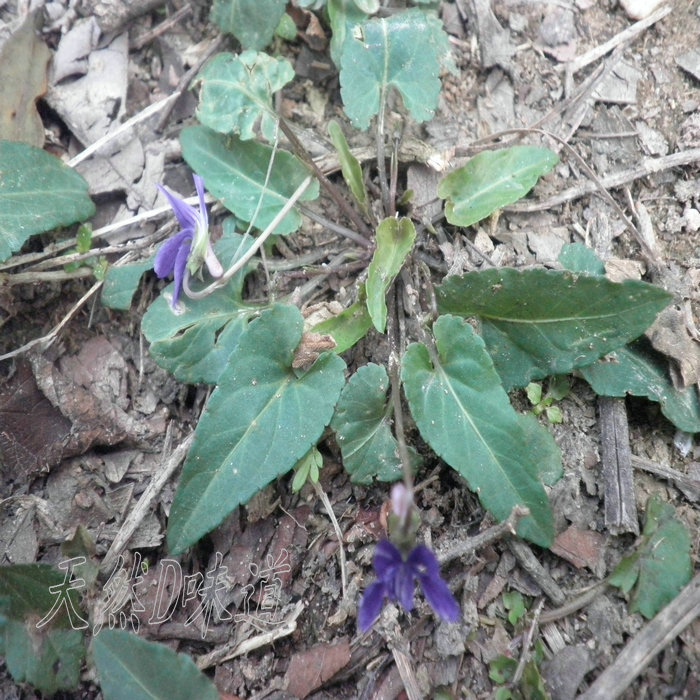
309 669
580 547
33 433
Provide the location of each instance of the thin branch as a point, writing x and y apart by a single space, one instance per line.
327 185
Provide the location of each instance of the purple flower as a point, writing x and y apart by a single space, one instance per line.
396 579
190 247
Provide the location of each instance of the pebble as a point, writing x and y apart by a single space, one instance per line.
639 9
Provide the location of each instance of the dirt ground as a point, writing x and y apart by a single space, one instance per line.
88 420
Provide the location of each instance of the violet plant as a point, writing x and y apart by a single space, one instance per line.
472 337
454 375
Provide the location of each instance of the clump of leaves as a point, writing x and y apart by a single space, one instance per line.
557 389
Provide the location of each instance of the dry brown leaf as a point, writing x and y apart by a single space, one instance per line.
311 668
580 547
23 79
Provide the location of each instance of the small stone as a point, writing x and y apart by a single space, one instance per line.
691 218
639 9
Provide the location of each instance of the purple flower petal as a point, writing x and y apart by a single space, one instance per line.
370 605
203 214
403 586
423 561
439 597
386 559
425 566
179 270
186 214
164 264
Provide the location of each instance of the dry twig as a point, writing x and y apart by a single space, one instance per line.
648 642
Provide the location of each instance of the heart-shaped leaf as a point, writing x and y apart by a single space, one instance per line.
237 93
38 192
395 239
236 172
259 421
404 51
492 179
361 422
541 322
195 345
130 667
463 413
252 22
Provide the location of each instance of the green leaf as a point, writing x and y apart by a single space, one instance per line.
404 51
259 421
38 193
286 29
463 413
661 566
362 424
307 468
122 282
130 667
541 322
578 257
348 326
637 369
349 165
252 22
237 91
534 393
50 656
195 345
492 179
544 452
395 239
343 16
515 605
502 668
235 172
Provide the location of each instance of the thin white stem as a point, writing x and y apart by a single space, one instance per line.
136 119
239 264
338 533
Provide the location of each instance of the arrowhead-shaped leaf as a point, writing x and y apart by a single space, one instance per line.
349 165
38 192
252 22
492 179
130 667
661 566
395 239
259 421
404 51
195 345
349 326
639 370
237 93
463 413
361 422
541 322
235 172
